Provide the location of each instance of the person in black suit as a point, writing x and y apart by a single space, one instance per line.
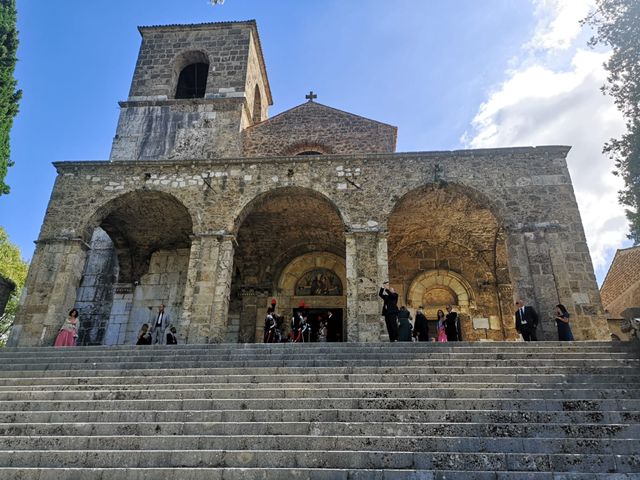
452 325
526 321
420 326
390 310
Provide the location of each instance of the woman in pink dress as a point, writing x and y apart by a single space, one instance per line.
442 336
69 331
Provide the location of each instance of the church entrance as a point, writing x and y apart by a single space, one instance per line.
332 318
447 247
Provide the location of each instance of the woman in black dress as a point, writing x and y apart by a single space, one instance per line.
562 320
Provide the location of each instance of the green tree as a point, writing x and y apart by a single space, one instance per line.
13 267
617 25
9 96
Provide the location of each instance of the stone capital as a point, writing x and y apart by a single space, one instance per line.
63 240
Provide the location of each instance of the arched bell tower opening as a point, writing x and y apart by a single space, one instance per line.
446 246
291 247
191 70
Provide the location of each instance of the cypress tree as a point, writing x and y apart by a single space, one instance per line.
9 96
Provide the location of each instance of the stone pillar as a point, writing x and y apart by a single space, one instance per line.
367 267
206 298
50 291
122 303
548 267
576 285
95 294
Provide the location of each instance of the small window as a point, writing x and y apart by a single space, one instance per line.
309 152
257 106
192 82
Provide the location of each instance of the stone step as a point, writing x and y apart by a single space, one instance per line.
131 379
457 346
290 473
368 430
509 411
321 415
397 403
446 460
321 391
325 443
13 392
582 364
169 355
166 369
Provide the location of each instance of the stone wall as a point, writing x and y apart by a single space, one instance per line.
528 191
316 127
621 288
137 304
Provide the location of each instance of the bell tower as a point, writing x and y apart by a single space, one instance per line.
194 89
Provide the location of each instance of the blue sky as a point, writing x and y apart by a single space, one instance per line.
448 74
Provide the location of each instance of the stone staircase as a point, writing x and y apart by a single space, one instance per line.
321 411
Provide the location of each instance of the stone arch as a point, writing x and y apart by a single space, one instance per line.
457 232
140 222
138 258
295 269
272 230
289 191
190 74
460 292
303 148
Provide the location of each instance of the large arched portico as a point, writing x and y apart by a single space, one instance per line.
446 245
277 232
138 258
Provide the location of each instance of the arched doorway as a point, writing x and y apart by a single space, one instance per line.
284 236
138 259
447 246
316 280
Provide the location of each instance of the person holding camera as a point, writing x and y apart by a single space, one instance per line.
390 310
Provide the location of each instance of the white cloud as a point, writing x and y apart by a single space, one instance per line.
541 104
558 23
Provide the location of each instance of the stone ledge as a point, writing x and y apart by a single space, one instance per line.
541 153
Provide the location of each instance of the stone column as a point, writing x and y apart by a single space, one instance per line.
367 267
206 298
50 291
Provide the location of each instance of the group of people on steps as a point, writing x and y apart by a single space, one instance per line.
400 329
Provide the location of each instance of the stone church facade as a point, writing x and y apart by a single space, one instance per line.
211 207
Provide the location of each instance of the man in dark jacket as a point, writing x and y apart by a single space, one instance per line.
390 310
526 321
421 326
452 325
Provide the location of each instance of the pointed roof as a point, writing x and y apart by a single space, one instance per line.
314 108
312 126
